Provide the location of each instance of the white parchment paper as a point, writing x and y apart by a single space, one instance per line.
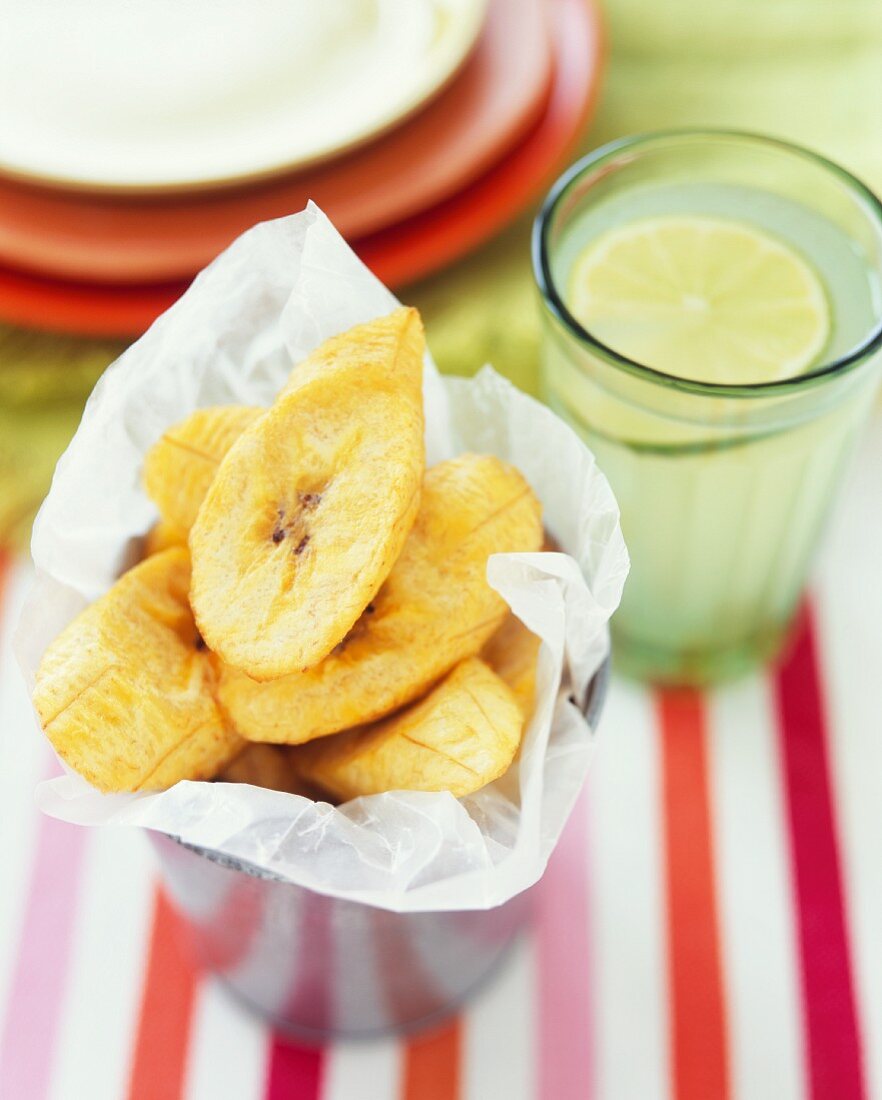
274 295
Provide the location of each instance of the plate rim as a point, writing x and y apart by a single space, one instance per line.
468 33
385 250
148 240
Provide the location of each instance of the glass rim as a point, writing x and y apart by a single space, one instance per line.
554 301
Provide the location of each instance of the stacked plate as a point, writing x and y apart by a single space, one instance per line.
138 140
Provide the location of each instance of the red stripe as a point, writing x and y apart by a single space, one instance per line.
699 1055
295 1072
432 1064
832 1038
163 1035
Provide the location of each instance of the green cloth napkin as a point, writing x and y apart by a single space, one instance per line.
44 381
807 70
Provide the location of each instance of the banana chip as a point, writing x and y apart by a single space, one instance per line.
311 506
179 469
460 737
265 766
512 653
125 691
163 536
435 609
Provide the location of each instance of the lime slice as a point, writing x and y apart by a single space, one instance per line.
702 298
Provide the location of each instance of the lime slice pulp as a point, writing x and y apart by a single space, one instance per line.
702 298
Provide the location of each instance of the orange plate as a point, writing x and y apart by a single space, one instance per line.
405 252
496 99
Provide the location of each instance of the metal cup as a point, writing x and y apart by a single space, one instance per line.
322 968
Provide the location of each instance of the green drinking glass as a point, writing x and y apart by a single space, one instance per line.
712 314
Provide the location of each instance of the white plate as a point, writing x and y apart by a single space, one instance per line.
160 94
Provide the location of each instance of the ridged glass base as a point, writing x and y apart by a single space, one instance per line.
695 669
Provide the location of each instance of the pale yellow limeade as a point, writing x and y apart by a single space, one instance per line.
720 510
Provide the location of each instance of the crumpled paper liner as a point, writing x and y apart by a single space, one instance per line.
274 295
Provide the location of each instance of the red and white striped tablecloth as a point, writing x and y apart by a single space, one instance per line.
710 927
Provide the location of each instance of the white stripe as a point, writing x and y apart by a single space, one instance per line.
23 755
228 1048
499 1032
850 638
363 1069
756 912
102 999
628 904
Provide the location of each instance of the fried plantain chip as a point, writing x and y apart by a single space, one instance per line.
312 504
269 766
125 691
179 469
162 536
460 737
435 609
512 653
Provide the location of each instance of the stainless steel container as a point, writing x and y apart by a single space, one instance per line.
319 967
